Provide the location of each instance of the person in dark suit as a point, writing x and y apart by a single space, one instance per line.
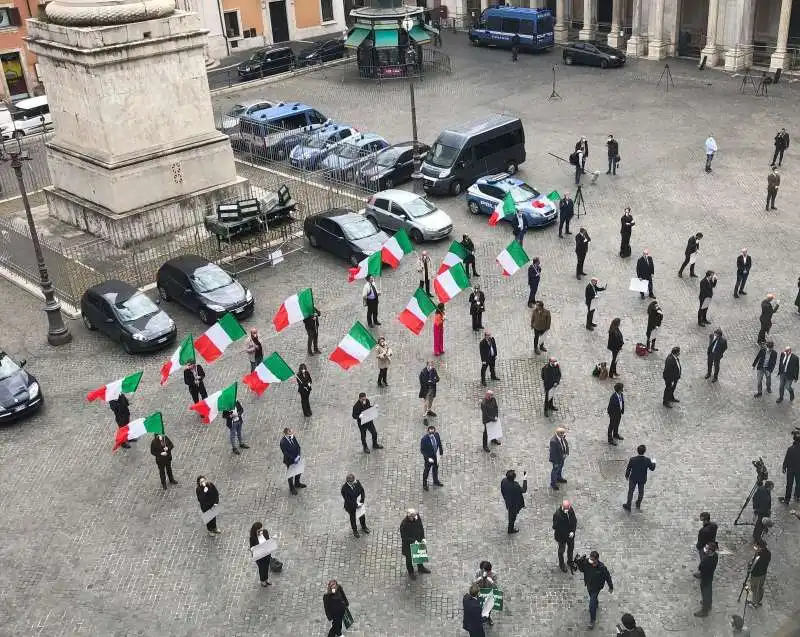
303 378
764 364
430 446
707 285
520 227
654 317
488 351
290 448
645 269
626 224
758 572
615 409
361 405
768 308
791 467
370 295
477 306
566 210
193 375
354 496
259 535
787 373
412 530
717 344
469 259
513 496
591 293
692 246
615 343
671 375
514 47
489 413
311 323
706 535
335 603
612 145
636 472
551 377
582 240
708 564
743 264
582 147
559 450
161 448
565 523
595 577
120 407
234 421
781 144
762 507
208 496
534 278
428 378
473 621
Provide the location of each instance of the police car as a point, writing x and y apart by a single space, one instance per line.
487 192
311 151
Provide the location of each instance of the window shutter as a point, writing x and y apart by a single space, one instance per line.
14 17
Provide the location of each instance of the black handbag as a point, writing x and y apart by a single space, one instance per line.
275 565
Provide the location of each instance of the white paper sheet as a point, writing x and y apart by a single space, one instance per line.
593 304
296 469
361 510
693 258
276 257
706 302
488 605
210 514
553 391
264 549
369 414
638 285
494 430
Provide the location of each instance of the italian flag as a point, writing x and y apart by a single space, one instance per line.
112 390
354 348
184 354
512 258
371 266
215 403
419 308
215 341
395 249
449 283
542 201
294 309
504 209
455 255
272 370
135 429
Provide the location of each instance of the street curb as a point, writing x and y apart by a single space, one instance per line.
66 309
276 78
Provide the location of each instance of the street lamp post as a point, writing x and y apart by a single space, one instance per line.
411 63
57 331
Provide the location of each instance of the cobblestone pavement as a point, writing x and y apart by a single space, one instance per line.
92 546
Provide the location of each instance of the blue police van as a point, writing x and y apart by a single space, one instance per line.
497 25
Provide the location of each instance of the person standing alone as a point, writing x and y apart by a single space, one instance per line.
335 603
613 155
711 149
424 267
488 352
534 278
692 247
717 344
788 365
582 240
773 182
758 571
636 473
161 448
559 450
370 294
615 343
764 364
540 323
626 224
671 375
566 210
513 496
490 411
645 269
615 410
514 47
781 144
743 264
565 523
708 565
707 285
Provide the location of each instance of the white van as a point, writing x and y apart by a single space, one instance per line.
29 116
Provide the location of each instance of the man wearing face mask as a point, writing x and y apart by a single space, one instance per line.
513 496
354 496
595 577
411 530
362 404
193 376
161 448
708 565
565 523
208 496
290 448
613 155
430 446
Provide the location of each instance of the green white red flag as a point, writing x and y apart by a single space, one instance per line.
180 357
135 429
512 258
271 370
354 348
294 309
456 254
545 201
216 339
223 400
396 248
370 266
112 391
504 209
416 313
450 282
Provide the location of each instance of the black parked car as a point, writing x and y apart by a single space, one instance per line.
392 166
20 394
321 51
269 61
126 315
345 233
204 288
593 54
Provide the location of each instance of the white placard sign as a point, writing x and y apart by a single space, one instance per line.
693 258
264 549
276 257
296 469
706 303
494 430
638 285
210 514
488 605
369 415
361 510
552 391
593 304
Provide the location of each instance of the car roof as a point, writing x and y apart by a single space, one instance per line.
273 48
31 102
480 126
279 110
400 196
517 12
338 214
363 138
187 262
113 287
501 179
248 103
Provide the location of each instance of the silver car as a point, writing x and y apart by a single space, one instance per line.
395 209
230 121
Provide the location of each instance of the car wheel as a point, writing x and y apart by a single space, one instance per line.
474 208
204 316
603 64
126 345
162 292
88 322
455 188
416 236
511 167
475 42
313 241
568 60
354 260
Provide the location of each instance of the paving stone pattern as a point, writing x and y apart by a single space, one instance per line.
92 546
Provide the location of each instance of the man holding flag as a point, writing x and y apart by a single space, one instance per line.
370 294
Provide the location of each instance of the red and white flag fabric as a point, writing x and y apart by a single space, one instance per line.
512 258
354 348
369 266
416 313
112 390
450 282
294 309
271 370
135 429
456 254
180 357
223 400
216 339
396 248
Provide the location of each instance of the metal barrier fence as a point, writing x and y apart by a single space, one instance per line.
37 173
433 62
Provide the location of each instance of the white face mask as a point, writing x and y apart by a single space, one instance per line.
333 590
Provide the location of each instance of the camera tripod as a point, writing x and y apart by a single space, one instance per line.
666 77
747 76
579 202
745 590
554 94
736 522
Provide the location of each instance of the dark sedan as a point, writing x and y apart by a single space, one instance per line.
20 394
127 316
345 233
321 52
268 61
392 166
203 288
593 54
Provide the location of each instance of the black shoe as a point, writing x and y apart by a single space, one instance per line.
512 531
425 487
300 485
780 400
554 487
293 491
377 323
618 437
567 232
173 482
707 376
611 442
714 380
355 534
495 378
365 529
736 296
742 292
627 507
438 484
432 414
693 276
236 451
773 208
366 449
758 395
375 445
487 450
483 382
561 481
412 575
590 327
638 505
563 567
680 274
496 442
164 486
667 405
126 445
701 613
553 408
422 569
476 274
244 446
543 348
675 400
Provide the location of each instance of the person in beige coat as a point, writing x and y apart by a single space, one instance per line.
384 355
540 323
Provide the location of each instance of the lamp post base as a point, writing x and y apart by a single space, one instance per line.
57 331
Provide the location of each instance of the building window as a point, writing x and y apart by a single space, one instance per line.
11 64
233 25
327 10
9 18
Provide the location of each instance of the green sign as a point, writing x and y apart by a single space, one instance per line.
496 593
348 618
419 552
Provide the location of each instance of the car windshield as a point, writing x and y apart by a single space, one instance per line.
419 207
210 277
442 156
349 151
388 158
135 307
7 366
257 57
237 110
605 49
523 192
358 229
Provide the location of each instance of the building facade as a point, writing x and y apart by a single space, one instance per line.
19 78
